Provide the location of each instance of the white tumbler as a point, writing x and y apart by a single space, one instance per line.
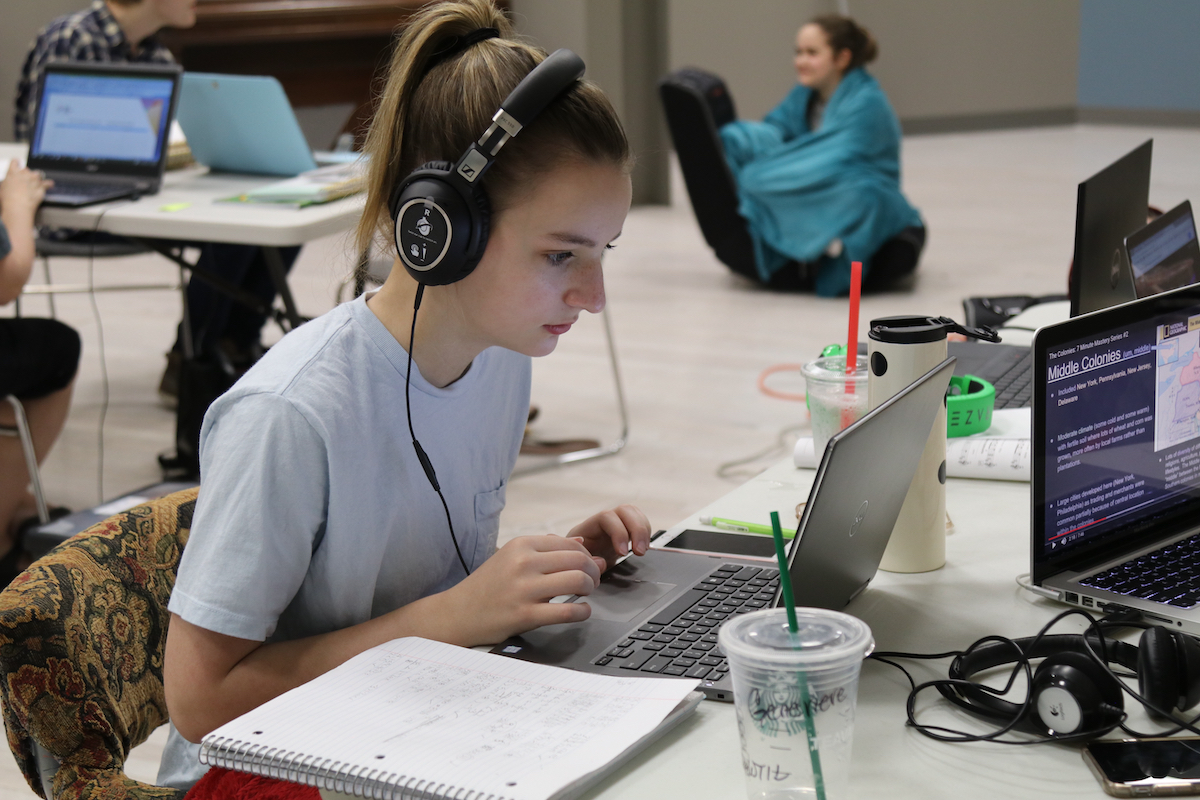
900 350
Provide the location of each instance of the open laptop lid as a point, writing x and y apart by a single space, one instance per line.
242 123
1110 205
105 120
859 489
1116 431
1165 255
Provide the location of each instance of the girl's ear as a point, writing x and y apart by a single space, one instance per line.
842 59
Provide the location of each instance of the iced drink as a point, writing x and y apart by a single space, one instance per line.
794 696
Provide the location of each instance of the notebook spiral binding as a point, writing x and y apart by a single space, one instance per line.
357 780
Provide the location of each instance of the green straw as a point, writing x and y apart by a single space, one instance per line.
785 583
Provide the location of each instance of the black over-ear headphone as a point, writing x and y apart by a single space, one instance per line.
440 213
1072 697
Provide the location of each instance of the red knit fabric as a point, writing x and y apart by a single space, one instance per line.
224 784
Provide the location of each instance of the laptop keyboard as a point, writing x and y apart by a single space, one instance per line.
1014 389
681 639
84 189
1169 575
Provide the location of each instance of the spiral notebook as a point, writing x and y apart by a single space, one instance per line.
414 718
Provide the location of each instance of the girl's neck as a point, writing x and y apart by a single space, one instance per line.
444 348
826 91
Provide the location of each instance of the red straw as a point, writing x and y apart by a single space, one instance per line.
852 335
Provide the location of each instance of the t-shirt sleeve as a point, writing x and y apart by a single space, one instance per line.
261 512
5 242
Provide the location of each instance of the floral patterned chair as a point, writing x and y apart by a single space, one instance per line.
82 634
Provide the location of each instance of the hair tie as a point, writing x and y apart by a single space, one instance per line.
454 45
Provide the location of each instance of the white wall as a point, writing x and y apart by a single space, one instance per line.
953 58
938 58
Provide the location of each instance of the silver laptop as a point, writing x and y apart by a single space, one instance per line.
101 130
658 614
1116 467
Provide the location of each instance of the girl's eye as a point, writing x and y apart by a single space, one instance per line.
558 259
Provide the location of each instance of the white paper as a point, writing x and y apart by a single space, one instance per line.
440 713
1001 453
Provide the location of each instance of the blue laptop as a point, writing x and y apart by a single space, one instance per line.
242 123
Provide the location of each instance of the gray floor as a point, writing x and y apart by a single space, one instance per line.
692 338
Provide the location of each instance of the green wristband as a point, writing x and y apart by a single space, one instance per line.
969 404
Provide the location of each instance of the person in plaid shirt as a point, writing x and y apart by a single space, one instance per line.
110 30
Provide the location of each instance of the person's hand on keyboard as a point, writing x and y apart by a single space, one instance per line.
510 592
614 533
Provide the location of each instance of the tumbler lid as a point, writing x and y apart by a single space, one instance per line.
921 330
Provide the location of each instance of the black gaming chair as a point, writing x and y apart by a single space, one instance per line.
696 104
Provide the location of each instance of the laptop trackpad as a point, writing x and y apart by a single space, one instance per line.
621 597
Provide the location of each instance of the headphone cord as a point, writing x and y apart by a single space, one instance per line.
104 392
426 464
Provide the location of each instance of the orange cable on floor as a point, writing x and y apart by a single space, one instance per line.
769 392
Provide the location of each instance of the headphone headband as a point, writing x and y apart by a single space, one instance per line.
996 653
545 82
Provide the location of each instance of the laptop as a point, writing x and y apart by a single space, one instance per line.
1009 368
1164 255
1109 205
658 614
1116 461
243 123
101 130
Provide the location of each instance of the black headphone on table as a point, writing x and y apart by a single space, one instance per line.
440 213
1074 695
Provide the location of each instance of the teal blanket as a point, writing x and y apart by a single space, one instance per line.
799 190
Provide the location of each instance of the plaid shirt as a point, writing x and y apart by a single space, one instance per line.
91 35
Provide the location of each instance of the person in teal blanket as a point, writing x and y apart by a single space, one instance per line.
819 178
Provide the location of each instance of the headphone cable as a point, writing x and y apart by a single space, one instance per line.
426 464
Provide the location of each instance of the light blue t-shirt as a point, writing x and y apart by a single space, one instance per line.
314 512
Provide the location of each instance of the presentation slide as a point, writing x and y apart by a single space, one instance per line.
1122 427
110 118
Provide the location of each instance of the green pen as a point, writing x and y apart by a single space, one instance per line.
738 526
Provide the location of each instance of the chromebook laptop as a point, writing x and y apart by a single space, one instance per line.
101 130
1116 462
658 614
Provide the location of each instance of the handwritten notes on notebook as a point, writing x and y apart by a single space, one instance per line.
415 712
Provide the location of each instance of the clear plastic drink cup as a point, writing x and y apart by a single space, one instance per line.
794 697
835 399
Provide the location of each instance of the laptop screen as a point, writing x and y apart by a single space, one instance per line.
1165 254
1118 424
102 117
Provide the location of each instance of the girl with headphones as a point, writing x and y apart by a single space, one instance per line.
353 479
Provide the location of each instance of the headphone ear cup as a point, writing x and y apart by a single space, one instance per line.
440 224
1168 669
1189 670
1074 697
